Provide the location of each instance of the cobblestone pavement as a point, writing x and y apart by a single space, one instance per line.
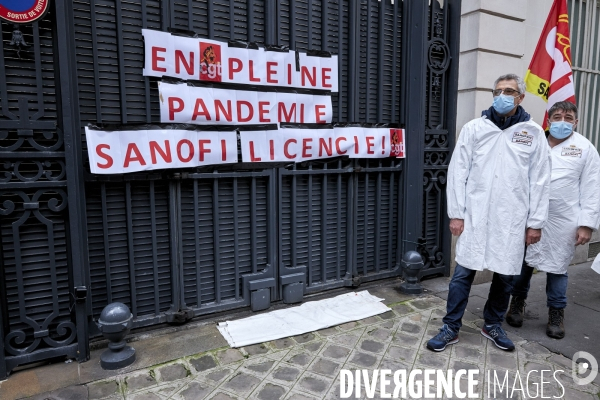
308 366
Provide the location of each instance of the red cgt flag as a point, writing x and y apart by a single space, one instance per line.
549 75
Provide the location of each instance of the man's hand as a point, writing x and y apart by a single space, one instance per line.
457 226
584 234
532 236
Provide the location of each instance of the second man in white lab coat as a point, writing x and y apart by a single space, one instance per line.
573 215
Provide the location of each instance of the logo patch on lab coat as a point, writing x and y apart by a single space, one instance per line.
523 138
571 151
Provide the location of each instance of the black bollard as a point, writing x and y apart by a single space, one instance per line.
115 323
412 264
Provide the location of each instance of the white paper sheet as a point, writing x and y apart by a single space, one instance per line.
596 264
308 317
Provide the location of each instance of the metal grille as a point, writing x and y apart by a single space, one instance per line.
314 218
225 234
378 196
129 246
110 59
585 51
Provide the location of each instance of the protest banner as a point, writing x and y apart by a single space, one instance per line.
305 142
145 148
153 147
192 58
182 103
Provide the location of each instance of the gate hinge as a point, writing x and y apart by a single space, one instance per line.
352 282
80 294
179 317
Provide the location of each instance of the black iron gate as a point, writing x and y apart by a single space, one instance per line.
175 245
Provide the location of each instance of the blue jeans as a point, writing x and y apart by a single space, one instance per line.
556 287
458 296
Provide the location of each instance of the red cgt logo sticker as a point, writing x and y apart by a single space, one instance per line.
397 141
210 62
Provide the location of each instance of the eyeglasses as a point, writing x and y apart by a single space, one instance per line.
506 91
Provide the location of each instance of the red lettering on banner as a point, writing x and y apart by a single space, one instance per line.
155 147
198 113
156 58
302 113
109 160
253 158
383 145
271 72
318 113
306 147
370 144
272 149
203 150
252 77
355 144
285 148
325 77
180 60
232 70
223 150
241 103
306 75
337 145
226 113
262 112
286 117
323 145
132 148
172 109
190 150
289 74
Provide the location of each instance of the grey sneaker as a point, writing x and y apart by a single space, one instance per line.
497 335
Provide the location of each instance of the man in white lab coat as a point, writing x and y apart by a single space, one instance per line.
498 182
573 215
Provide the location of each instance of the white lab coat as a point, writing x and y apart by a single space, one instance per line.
498 182
574 202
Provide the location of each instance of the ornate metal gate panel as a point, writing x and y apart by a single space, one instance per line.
42 251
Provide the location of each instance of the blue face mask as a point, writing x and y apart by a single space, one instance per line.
561 129
503 104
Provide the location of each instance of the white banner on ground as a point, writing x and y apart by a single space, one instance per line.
308 317
180 103
214 61
117 152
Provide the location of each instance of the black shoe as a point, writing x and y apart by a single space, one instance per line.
497 335
516 310
556 328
